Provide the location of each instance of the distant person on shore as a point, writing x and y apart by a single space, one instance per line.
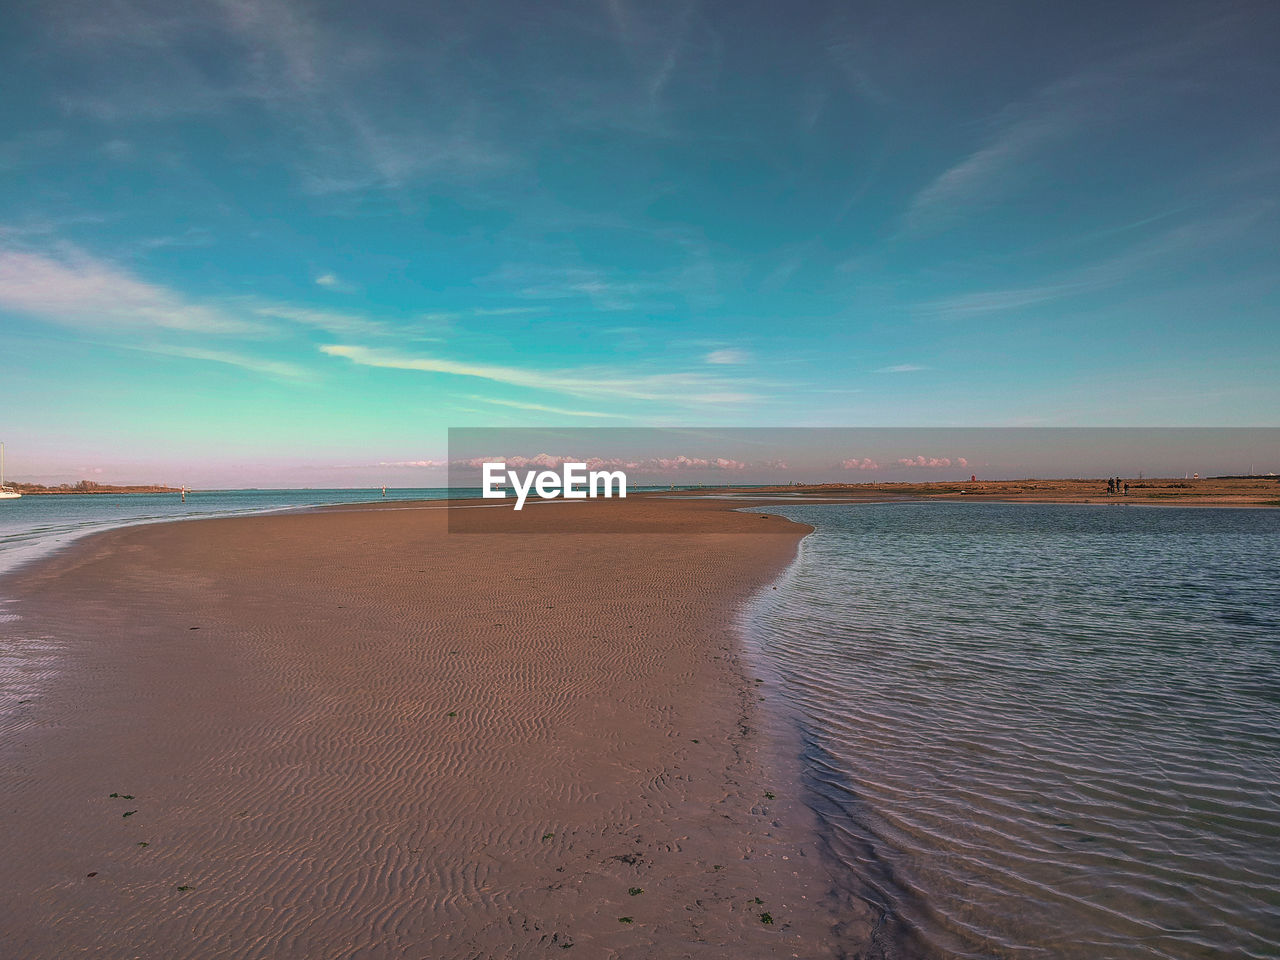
1111 486
1126 488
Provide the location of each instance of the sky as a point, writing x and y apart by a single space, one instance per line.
727 456
287 243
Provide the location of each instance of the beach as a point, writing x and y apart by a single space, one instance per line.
640 481
651 727
350 733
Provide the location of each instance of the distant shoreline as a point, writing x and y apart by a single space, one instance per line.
1152 491
1228 491
39 490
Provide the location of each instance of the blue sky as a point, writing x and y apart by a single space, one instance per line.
291 243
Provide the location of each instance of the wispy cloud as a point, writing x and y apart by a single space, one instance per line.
325 85
602 292
73 289
77 290
902 368
1022 135
389 160
729 355
25 149
985 174
693 281
190 237
1164 251
995 301
665 48
499 311
581 382
671 57
276 369
341 324
542 408
445 317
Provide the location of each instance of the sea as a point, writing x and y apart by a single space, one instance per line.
1047 731
1028 730
35 526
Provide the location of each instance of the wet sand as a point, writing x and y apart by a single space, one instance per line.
349 733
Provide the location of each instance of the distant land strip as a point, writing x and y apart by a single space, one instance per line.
1220 491
88 486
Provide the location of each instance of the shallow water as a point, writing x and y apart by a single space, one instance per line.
1042 730
34 525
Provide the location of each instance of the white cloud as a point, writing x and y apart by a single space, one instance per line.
933 463
902 368
1163 251
581 382
603 294
277 369
1060 115
342 324
119 150
981 176
324 85
729 355
79 291
501 311
994 301
541 408
694 463
452 316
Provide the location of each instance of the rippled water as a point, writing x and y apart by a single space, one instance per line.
34 525
1042 731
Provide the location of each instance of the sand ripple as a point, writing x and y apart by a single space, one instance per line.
350 735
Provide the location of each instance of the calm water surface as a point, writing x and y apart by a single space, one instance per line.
34 525
1042 730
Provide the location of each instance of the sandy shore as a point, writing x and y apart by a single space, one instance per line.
349 733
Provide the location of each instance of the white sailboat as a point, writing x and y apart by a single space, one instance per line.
5 492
